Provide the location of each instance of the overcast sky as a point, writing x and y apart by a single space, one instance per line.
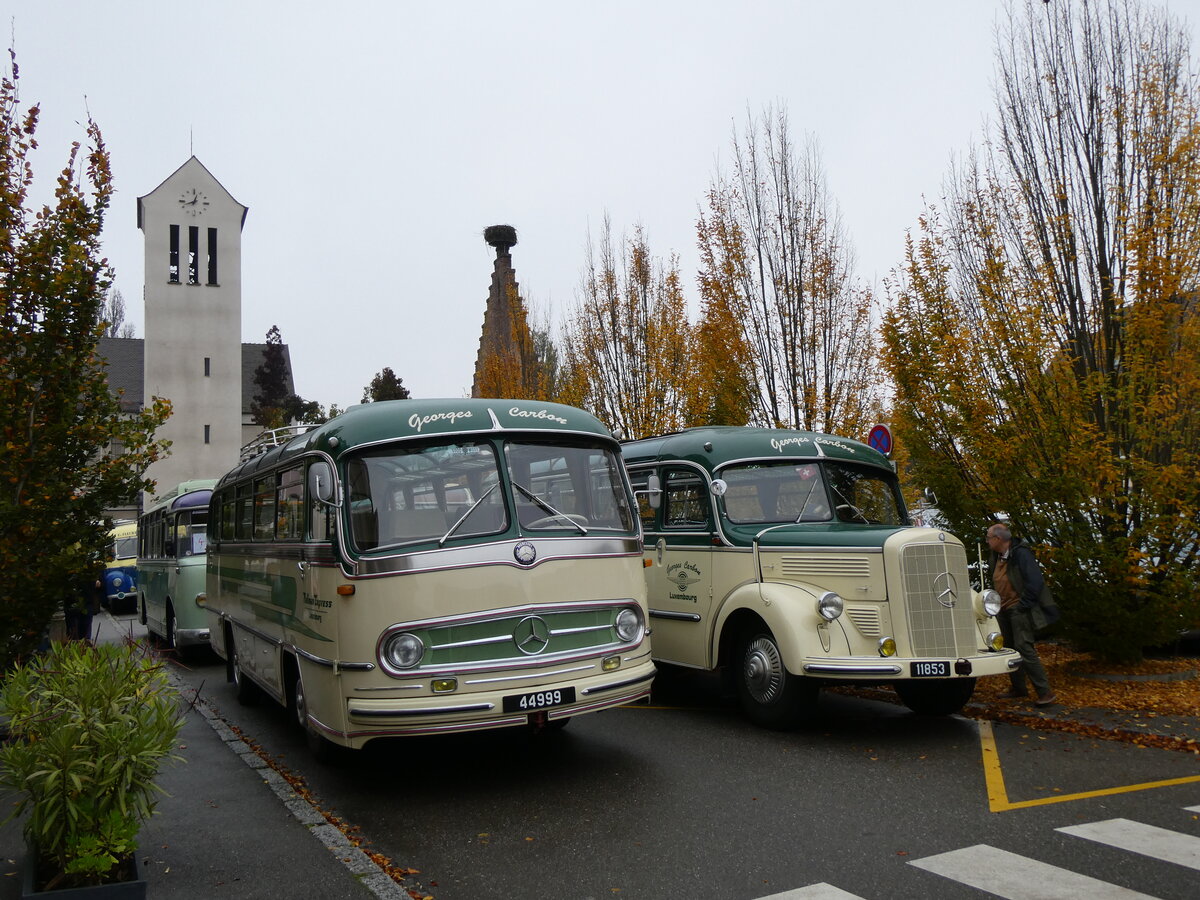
374 141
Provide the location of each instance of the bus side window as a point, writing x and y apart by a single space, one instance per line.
686 501
640 483
264 509
290 506
318 519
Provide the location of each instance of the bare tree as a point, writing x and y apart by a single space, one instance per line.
778 266
113 315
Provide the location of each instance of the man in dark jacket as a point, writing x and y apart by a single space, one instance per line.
1017 577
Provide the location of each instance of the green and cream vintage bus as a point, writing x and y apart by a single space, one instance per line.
419 567
172 546
788 558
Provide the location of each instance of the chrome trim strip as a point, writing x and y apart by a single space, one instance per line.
499 553
322 661
504 638
512 612
580 630
827 669
391 687
476 642
674 616
523 677
1014 663
619 684
389 713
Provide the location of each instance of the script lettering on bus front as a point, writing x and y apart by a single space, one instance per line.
417 422
314 607
536 414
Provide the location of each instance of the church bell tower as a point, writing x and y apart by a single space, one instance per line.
192 229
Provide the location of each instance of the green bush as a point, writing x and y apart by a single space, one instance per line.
89 728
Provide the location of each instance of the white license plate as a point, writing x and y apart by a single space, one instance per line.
937 669
535 700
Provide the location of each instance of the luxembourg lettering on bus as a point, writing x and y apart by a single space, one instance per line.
418 422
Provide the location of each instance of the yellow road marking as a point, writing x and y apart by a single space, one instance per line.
998 796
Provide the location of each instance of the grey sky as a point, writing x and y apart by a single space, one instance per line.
374 141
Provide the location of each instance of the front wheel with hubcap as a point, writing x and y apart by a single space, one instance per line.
245 689
936 697
770 695
322 749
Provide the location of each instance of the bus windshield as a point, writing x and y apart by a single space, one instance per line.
402 494
564 487
191 533
778 492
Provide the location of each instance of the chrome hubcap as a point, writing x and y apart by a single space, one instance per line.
762 670
301 706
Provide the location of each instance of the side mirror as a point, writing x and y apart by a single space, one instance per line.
717 487
930 496
654 491
320 483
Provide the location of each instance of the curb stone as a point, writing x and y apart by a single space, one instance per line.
361 866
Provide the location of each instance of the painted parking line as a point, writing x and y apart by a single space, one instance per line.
998 795
1136 837
1017 877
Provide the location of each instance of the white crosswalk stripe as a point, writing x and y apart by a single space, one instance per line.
1018 877
1148 840
1014 877
815 892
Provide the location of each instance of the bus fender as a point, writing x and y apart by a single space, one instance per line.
788 610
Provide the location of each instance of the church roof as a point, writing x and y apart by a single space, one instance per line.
126 356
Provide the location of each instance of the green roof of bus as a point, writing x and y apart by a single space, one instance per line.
389 420
730 443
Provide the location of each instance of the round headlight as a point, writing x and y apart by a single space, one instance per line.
995 641
829 606
886 646
403 650
991 602
629 624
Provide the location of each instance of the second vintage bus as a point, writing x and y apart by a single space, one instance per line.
422 567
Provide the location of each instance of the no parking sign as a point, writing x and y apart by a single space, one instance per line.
880 438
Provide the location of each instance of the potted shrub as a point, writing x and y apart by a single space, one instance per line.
89 728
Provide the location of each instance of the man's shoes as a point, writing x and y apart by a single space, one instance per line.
1014 695
1049 700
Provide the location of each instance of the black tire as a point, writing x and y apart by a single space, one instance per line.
322 749
245 689
770 695
172 629
937 697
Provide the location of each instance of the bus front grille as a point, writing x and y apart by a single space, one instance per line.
937 596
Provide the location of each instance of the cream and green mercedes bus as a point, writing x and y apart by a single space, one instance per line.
788 558
418 567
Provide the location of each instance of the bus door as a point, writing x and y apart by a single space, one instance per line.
679 536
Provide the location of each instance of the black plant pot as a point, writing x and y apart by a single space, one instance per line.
132 888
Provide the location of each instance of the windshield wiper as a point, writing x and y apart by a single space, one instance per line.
846 504
546 506
454 527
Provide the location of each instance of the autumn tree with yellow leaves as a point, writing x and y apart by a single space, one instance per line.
786 329
627 355
1044 336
